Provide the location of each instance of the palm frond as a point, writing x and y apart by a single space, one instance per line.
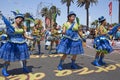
78 21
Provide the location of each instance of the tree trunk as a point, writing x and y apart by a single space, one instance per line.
51 26
68 8
87 20
45 24
119 11
51 20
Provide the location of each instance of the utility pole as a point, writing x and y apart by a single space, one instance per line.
119 11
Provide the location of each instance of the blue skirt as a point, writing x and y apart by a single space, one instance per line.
102 43
68 46
14 52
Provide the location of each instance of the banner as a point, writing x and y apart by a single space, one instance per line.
110 8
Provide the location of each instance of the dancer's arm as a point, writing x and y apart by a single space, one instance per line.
10 28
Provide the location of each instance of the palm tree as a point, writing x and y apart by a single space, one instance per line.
86 3
55 11
28 20
48 13
45 13
95 23
68 4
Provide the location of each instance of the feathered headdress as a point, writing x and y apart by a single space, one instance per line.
18 14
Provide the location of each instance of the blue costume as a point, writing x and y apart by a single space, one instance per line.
71 42
101 42
16 48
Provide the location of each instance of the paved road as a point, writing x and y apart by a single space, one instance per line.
44 67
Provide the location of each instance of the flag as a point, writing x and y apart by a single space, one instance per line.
110 8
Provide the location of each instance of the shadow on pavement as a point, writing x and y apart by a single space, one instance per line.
68 66
18 71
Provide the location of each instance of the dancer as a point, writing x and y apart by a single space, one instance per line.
55 35
101 42
38 33
15 49
3 37
70 44
48 38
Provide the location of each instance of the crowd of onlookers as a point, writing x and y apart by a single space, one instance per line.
116 36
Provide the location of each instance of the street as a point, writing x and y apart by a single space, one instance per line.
44 67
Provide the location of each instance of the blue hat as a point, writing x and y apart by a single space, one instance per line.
101 19
71 13
19 15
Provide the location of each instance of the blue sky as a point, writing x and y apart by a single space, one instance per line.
95 11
